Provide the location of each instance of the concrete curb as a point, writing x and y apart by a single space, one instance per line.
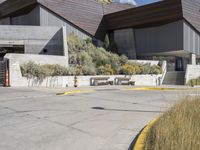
75 92
139 144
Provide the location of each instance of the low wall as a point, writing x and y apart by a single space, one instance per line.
16 79
15 60
151 62
68 81
192 72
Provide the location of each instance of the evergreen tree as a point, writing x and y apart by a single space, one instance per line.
106 44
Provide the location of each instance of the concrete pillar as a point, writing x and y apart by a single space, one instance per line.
185 63
65 46
193 59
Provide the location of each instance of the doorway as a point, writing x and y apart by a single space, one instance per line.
179 66
5 49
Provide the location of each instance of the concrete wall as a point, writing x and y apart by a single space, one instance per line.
40 16
48 18
125 41
192 72
31 18
15 60
151 62
68 81
191 39
5 21
35 39
158 39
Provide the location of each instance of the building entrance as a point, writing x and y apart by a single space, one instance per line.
19 49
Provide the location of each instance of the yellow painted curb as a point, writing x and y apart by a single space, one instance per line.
139 145
75 92
162 89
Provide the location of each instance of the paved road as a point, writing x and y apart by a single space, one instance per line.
107 119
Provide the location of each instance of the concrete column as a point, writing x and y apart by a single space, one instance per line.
193 59
65 46
185 63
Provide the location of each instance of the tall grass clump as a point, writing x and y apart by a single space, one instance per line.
178 128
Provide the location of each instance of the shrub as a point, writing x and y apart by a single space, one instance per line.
194 82
105 70
58 70
128 69
28 69
123 59
85 57
146 69
88 70
106 43
155 69
32 70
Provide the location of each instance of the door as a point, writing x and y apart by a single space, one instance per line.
179 64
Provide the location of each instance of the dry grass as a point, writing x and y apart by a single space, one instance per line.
178 128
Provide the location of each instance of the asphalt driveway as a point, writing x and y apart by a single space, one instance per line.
105 119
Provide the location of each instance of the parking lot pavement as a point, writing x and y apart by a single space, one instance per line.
107 119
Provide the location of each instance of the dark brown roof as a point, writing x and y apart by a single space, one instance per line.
156 14
85 14
88 14
191 12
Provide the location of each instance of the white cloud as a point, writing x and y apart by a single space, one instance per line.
127 1
133 2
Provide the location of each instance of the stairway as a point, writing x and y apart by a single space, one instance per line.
2 73
174 78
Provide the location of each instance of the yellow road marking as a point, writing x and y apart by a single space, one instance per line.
162 89
75 92
139 145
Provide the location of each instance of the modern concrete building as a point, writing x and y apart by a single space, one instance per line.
165 28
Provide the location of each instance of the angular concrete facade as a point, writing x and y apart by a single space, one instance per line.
36 40
178 39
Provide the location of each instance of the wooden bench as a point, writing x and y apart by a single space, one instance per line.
124 81
95 81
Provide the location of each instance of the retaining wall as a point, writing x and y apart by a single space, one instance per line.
68 81
192 72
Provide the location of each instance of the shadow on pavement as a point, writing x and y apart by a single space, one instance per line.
126 110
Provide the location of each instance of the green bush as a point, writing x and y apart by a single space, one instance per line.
106 44
155 69
33 70
88 70
146 69
194 82
105 70
128 69
87 59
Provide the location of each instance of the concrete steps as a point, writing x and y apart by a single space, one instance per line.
174 78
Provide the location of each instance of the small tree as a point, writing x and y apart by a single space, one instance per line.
106 44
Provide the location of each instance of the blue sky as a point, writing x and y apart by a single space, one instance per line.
142 2
138 2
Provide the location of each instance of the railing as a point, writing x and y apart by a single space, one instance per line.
164 71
